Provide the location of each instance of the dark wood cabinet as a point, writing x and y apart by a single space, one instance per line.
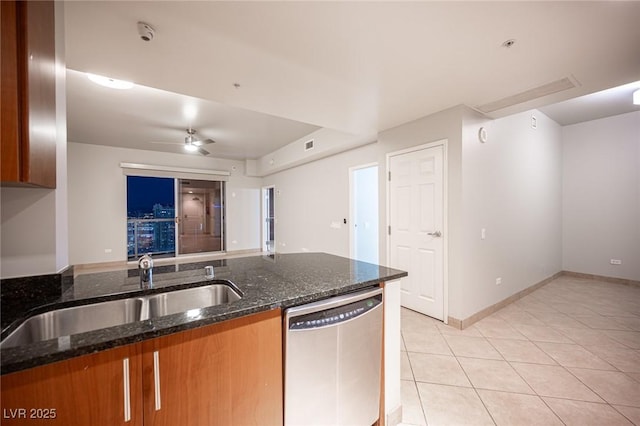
229 373
28 102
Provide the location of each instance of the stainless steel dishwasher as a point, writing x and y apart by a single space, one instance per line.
332 361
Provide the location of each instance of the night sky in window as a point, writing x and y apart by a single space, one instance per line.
144 192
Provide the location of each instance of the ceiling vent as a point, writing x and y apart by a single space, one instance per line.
308 145
528 95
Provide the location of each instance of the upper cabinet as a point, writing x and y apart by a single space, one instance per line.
28 107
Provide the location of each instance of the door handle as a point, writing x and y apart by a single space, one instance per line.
156 379
436 234
127 390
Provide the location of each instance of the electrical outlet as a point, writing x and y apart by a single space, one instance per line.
498 280
616 262
483 234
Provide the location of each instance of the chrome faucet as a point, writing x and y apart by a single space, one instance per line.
145 267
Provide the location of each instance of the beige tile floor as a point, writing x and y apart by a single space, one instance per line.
568 353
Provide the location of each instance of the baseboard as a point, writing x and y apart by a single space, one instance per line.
461 324
243 252
613 280
87 268
394 418
454 322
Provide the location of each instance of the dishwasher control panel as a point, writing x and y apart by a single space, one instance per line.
334 315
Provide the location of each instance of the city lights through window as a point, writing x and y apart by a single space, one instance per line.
150 216
161 225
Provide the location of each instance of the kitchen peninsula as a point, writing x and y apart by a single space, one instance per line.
235 345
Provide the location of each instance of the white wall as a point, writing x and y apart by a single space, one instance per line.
601 189
311 202
392 345
326 142
511 187
97 200
61 203
443 125
34 221
313 199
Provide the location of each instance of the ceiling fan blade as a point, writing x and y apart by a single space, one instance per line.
204 142
203 151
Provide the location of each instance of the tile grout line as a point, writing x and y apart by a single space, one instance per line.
566 368
528 384
424 413
605 303
415 382
541 397
467 375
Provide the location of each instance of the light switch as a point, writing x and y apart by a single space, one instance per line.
483 234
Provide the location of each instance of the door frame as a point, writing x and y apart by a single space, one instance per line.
263 227
352 209
445 209
179 219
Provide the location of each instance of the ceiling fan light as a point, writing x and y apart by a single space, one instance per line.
636 97
190 147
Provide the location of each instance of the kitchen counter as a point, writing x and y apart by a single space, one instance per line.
266 282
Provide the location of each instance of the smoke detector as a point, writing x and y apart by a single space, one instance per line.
145 31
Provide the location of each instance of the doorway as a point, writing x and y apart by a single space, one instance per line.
417 232
363 196
200 216
269 221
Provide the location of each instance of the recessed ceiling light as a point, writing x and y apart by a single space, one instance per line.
190 112
110 82
636 97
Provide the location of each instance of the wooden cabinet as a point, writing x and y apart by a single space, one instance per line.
88 390
225 374
28 101
228 373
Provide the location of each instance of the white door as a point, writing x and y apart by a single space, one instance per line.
416 218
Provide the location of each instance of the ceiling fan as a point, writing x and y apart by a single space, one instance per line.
192 143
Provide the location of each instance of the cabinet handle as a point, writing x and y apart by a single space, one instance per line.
127 394
156 378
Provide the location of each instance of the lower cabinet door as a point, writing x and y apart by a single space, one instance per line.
228 373
98 389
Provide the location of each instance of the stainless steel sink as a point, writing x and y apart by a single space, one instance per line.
74 320
95 316
192 298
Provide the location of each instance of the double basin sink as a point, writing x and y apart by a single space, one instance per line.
95 316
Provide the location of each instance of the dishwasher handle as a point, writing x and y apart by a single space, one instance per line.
335 314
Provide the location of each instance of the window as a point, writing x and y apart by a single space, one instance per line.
169 217
150 216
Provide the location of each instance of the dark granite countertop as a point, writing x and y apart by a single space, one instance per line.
266 282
